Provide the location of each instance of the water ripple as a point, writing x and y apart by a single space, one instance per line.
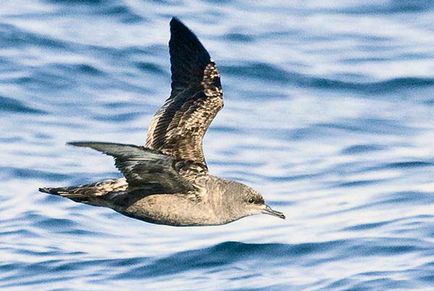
332 122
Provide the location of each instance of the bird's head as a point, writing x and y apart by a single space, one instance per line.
247 201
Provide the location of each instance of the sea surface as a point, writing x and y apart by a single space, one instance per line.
329 113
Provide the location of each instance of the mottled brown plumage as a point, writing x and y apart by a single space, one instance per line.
167 180
177 129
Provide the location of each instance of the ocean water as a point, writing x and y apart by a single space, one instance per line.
329 112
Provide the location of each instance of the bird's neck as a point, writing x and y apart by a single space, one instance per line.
220 200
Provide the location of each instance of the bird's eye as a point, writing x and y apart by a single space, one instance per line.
251 200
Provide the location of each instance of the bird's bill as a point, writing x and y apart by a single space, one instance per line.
268 210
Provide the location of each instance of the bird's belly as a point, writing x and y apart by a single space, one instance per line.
172 209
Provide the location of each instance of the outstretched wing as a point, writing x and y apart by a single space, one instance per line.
142 167
177 129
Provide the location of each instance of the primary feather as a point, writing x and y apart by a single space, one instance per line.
178 127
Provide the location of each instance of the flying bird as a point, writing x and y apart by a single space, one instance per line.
167 181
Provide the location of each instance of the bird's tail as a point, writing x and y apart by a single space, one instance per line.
72 193
54 191
89 192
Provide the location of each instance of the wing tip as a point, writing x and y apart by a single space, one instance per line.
176 25
79 143
175 21
182 36
113 149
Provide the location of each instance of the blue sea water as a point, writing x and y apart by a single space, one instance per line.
329 112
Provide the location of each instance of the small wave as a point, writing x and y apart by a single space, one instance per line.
85 69
362 148
99 7
403 198
14 37
11 105
371 87
119 117
150 67
24 173
273 73
390 7
238 37
82 2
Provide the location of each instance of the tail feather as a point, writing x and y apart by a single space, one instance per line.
68 192
48 190
58 190
89 192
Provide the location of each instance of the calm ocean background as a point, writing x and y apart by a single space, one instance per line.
329 112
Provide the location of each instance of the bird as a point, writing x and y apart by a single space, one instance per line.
167 181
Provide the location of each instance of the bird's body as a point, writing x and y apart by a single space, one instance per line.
167 180
214 202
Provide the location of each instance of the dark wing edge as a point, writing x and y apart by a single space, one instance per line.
178 127
142 167
188 57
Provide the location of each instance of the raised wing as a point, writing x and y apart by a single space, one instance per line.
142 168
178 127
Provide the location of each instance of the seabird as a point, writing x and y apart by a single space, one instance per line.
167 180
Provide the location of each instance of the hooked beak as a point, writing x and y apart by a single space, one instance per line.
268 210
